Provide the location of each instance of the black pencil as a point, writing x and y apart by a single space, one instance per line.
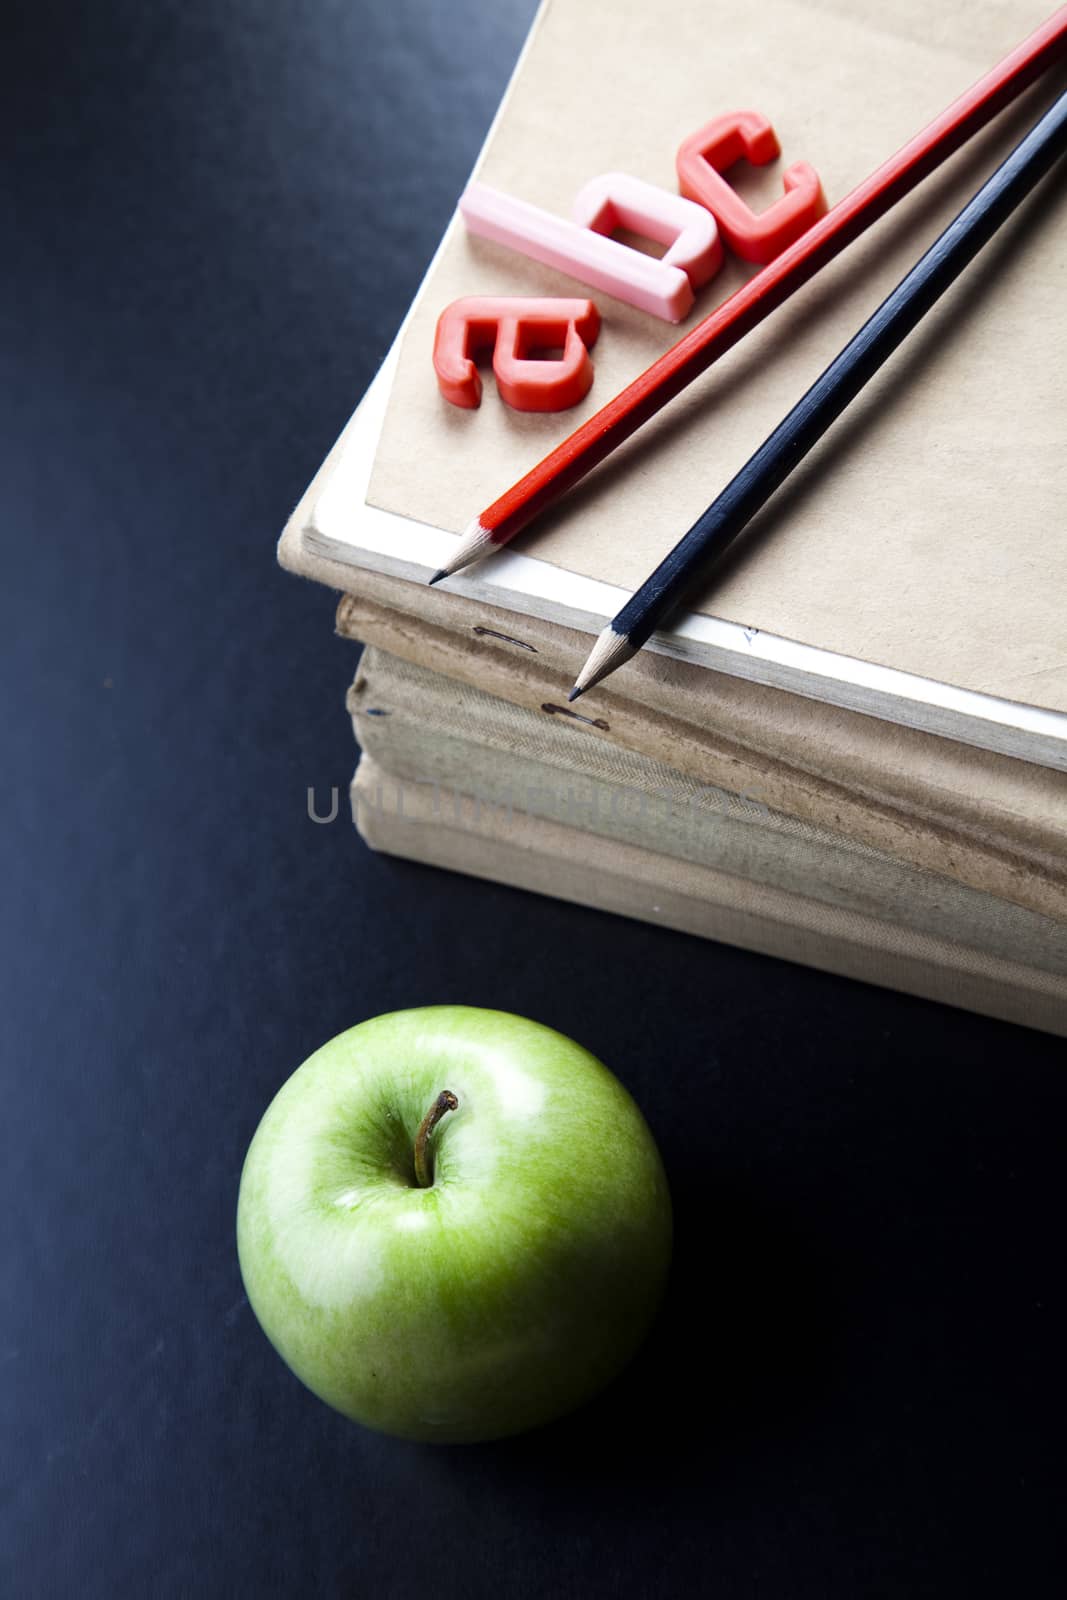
717 527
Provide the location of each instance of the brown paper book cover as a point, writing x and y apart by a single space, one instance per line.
914 563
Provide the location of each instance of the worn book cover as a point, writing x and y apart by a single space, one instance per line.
429 732
572 864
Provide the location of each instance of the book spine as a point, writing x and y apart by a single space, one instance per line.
431 735
573 866
1024 864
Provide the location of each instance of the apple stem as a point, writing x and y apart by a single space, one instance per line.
445 1102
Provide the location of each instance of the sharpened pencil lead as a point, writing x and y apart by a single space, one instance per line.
609 652
575 692
475 542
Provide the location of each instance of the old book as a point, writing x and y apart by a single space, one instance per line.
549 858
431 733
998 824
889 784
991 823
912 571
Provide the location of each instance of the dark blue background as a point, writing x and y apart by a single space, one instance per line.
214 219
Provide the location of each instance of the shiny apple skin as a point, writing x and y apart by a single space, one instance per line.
503 1295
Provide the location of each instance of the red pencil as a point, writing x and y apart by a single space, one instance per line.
718 332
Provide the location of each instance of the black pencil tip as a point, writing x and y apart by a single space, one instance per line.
441 573
575 692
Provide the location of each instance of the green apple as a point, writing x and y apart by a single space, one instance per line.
453 1224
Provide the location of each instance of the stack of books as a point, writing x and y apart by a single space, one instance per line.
853 752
